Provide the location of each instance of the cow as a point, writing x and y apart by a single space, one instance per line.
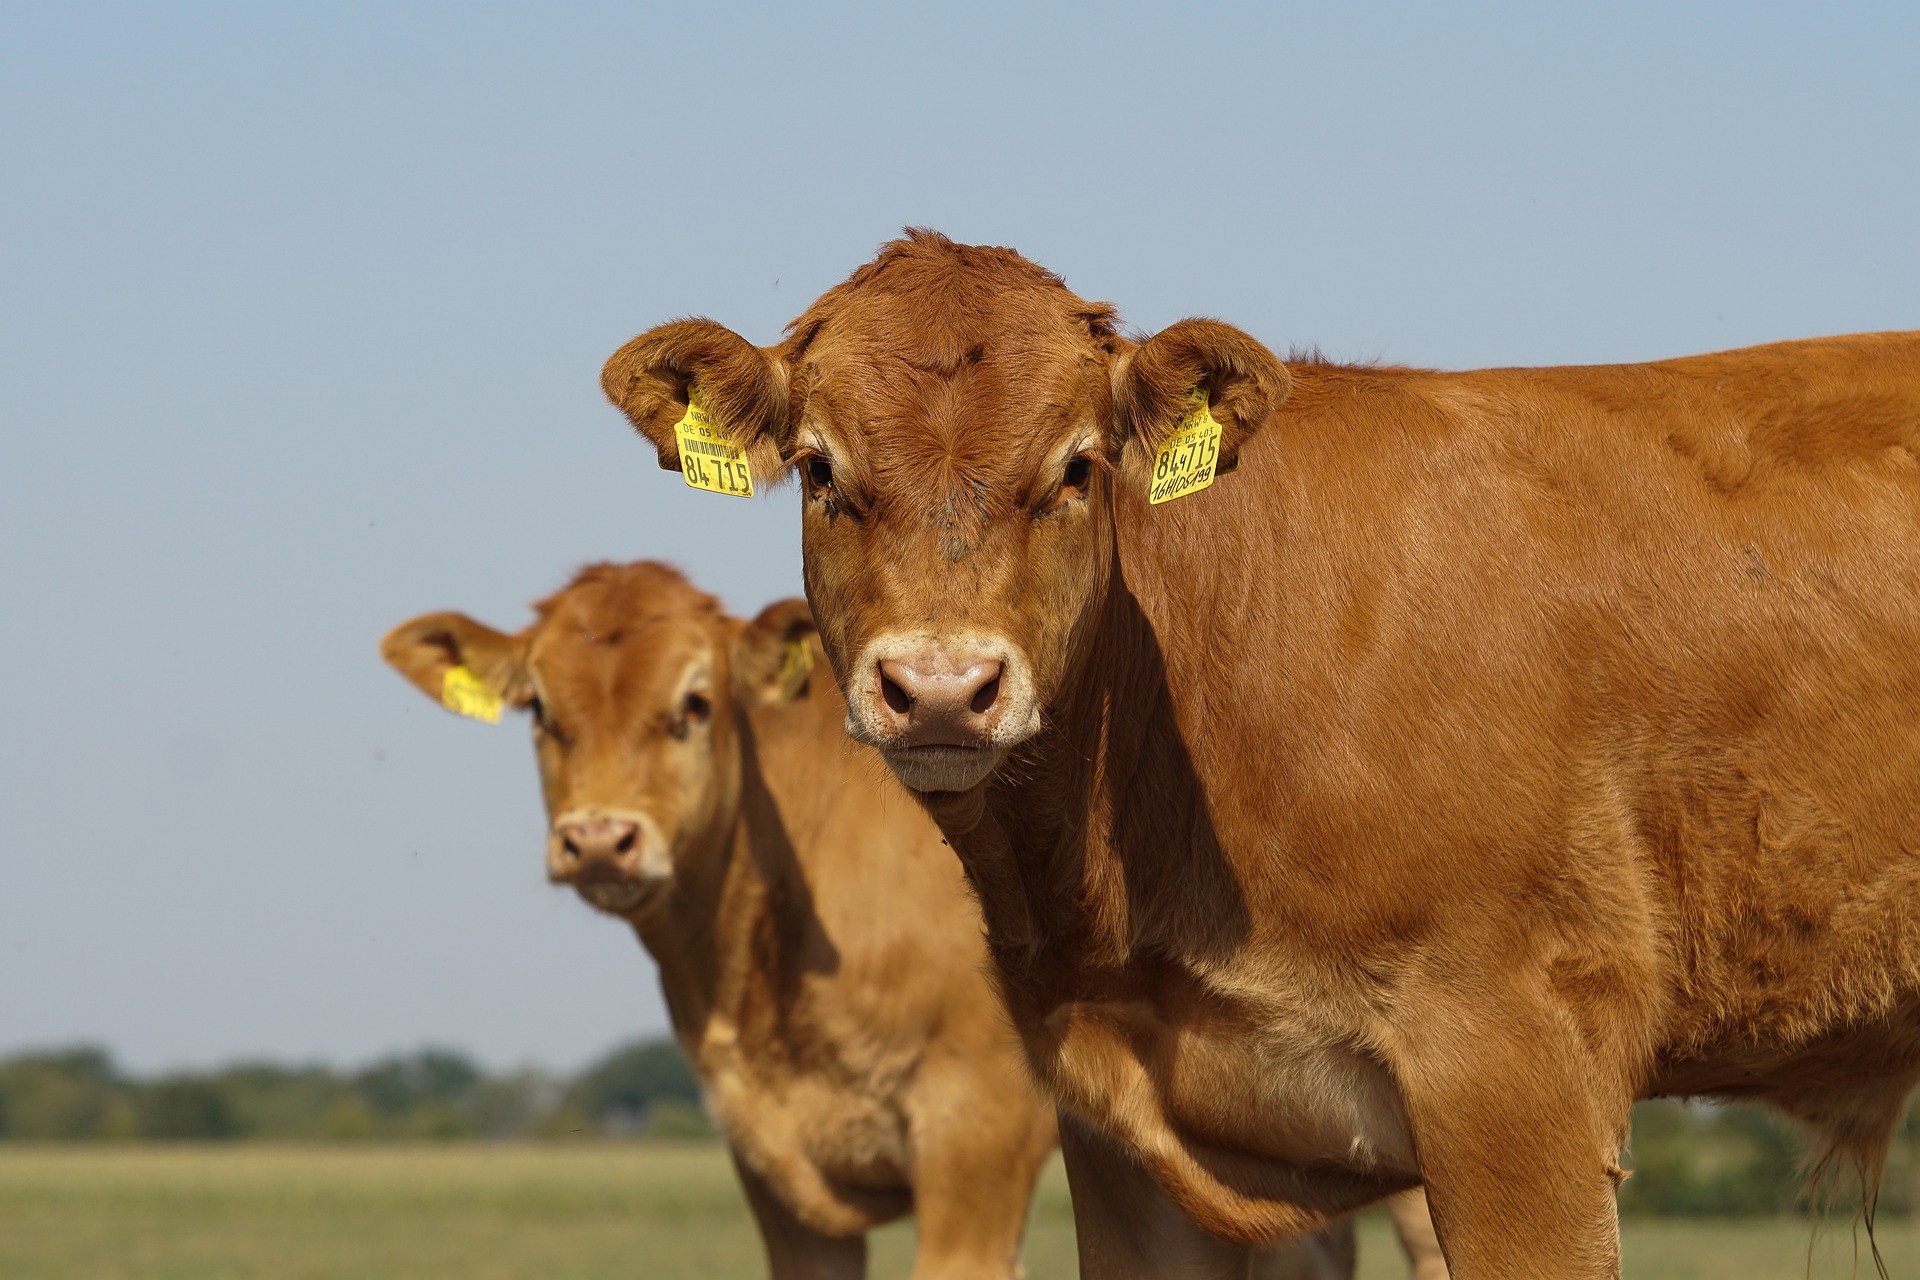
1370 776
821 958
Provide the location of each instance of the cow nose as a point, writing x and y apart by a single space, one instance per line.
593 838
940 700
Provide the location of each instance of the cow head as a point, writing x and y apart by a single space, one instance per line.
632 679
960 423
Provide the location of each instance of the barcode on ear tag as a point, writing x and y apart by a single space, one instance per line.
1186 462
708 459
467 694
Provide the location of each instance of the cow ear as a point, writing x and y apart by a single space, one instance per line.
742 387
1153 382
773 658
463 665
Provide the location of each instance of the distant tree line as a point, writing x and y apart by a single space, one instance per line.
1724 1161
1685 1160
79 1094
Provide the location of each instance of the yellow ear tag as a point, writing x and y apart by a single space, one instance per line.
1186 461
466 693
796 664
708 459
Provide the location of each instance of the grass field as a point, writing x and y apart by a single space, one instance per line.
583 1213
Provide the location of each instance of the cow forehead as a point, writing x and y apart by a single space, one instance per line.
974 430
944 336
945 377
934 330
947 333
646 651
615 635
977 428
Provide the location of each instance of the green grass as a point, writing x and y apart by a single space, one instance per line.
582 1213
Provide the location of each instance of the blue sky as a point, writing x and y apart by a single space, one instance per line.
302 311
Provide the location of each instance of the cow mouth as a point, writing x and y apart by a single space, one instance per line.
619 896
938 767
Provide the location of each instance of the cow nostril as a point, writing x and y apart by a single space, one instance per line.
626 843
896 697
984 696
573 850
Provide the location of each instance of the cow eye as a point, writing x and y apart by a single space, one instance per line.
543 723
695 708
823 486
819 474
1074 479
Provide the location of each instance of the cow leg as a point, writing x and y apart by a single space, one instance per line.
1414 1225
977 1160
1325 1255
1515 1142
796 1251
1126 1226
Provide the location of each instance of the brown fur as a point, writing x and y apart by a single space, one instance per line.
820 956
1490 750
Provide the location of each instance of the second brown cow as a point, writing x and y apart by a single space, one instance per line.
821 960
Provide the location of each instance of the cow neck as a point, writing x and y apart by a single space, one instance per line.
688 939
1081 857
747 933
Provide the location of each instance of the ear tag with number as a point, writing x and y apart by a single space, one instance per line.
796 664
467 694
708 459
1186 462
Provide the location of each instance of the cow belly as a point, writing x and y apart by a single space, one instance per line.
1278 1093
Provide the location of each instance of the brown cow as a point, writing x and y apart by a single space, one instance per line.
1483 751
821 958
